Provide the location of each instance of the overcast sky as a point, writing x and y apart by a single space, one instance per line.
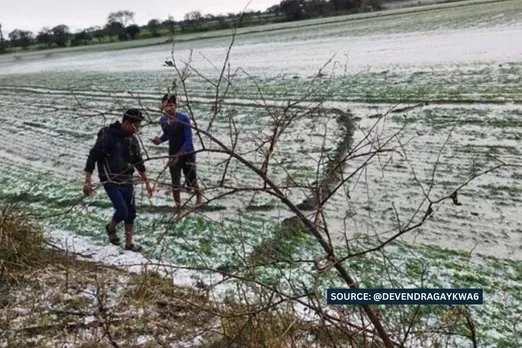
80 14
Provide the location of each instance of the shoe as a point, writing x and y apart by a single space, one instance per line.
113 238
134 247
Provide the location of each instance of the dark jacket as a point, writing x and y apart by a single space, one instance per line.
115 154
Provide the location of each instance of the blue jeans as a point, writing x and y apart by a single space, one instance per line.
122 198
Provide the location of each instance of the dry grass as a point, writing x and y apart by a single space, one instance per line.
251 327
51 299
80 303
21 244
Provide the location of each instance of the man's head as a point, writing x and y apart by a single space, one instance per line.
131 121
168 103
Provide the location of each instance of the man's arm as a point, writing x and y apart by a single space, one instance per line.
143 176
187 146
97 152
163 137
140 166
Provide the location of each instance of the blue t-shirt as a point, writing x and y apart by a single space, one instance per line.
178 133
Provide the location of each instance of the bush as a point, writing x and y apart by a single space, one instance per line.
21 243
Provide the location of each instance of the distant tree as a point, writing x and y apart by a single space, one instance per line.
170 25
123 35
337 5
222 22
97 32
45 37
356 3
344 5
374 4
294 10
276 9
61 35
82 38
3 45
27 39
21 38
154 26
133 31
14 37
122 19
113 29
318 8
194 19
243 17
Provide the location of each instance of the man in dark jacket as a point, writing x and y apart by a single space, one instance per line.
116 153
176 129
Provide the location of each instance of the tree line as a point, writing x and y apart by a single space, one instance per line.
120 25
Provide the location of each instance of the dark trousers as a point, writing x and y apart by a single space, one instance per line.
122 198
187 164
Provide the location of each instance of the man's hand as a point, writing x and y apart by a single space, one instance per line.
174 159
171 162
156 141
145 179
87 184
150 189
87 188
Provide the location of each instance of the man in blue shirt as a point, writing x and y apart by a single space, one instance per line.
176 129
